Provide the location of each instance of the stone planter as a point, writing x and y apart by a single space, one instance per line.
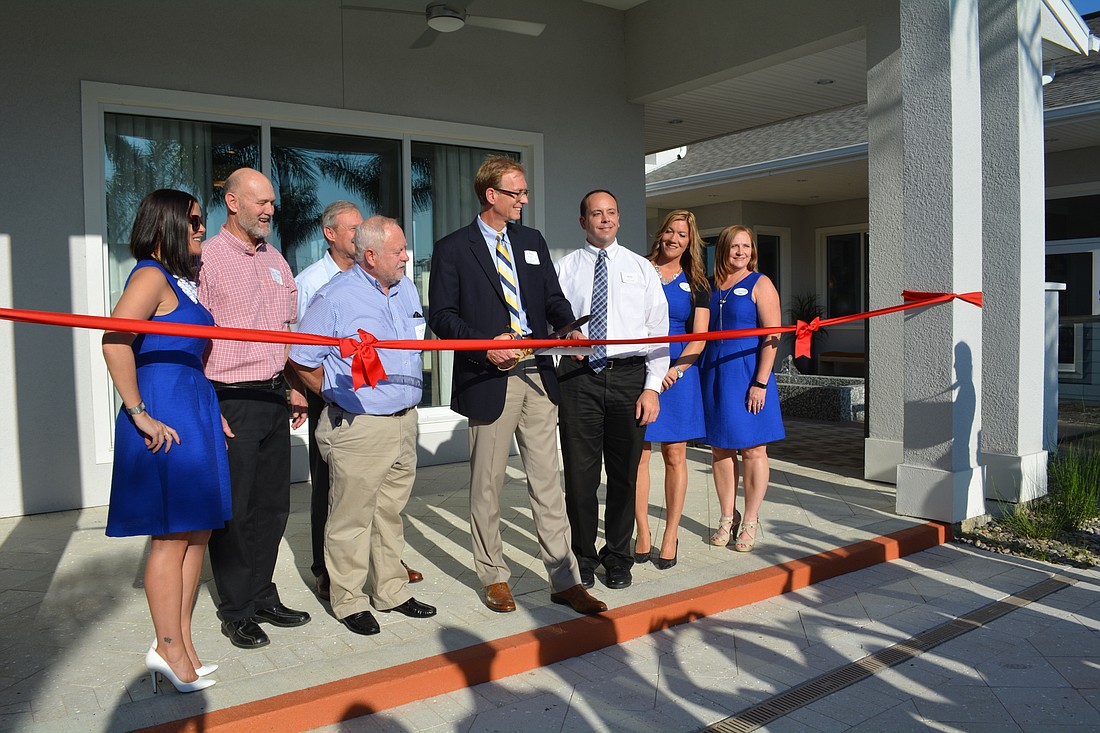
821 398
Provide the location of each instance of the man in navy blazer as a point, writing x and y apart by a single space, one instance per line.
494 279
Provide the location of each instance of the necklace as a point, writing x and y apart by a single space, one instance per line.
661 274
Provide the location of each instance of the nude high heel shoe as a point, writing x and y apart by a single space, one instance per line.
746 545
157 665
727 527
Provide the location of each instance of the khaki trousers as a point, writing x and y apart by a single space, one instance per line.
372 466
532 418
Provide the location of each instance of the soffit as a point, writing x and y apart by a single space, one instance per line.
779 92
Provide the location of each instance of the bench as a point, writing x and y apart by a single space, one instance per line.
852 362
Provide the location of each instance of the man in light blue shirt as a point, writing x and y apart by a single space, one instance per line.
339 222
367 435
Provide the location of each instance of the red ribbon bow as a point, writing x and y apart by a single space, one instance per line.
802 333
366 367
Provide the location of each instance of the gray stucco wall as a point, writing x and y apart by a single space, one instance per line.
568 84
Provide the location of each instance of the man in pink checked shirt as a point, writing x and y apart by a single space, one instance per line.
245 283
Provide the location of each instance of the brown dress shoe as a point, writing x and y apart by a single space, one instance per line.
498 597
415 576
579 600
323 586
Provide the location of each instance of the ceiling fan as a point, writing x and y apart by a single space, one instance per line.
450 16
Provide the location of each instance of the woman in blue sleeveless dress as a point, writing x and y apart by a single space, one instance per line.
171 473
677 256
740 397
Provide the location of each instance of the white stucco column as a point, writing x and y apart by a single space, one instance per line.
941 477
1013 244
886 241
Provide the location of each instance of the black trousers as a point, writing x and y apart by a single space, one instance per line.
318 479
599 430
243 554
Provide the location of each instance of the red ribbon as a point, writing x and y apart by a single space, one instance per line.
366 367
802 334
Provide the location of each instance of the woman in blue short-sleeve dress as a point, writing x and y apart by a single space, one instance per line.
740 397
677 255
171 475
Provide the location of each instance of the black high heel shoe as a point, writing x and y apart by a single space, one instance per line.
662 563
641 558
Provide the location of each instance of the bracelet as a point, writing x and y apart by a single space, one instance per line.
754 383
136 410
679 373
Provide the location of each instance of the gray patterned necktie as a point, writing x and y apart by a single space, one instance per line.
597 329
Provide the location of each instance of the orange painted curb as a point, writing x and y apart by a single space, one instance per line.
382 689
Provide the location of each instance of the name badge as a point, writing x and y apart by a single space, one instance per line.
740 291
685 287
531 257
276 275
631 278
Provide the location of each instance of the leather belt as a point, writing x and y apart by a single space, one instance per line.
621 363
276 383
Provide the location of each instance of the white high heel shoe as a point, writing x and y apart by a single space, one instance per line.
157 665
200 671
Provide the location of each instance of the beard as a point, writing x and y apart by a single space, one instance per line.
258 229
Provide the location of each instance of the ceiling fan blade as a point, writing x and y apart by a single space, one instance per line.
425 39
526 27
381 10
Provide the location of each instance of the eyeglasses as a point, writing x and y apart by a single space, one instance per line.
196 222
515 194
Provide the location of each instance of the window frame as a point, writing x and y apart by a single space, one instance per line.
88 252
821 234
784 234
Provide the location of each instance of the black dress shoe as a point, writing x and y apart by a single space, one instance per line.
588 577
618 578
280 615
413 609
361 623
245 634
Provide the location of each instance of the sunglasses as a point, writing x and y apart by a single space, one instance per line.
196 222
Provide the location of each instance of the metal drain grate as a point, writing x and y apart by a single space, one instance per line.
776 707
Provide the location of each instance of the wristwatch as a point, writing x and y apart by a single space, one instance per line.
759 384
679 372
137 410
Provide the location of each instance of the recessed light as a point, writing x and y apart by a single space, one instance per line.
675 121
824 82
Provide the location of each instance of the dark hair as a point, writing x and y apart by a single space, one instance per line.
491 171
162 230
584 199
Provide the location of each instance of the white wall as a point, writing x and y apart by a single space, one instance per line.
568 84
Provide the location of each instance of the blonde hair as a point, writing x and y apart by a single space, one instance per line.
691 261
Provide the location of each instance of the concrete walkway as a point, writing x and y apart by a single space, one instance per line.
75 624
1037 668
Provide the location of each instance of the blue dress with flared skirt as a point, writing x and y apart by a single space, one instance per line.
185 488
681 415
728 366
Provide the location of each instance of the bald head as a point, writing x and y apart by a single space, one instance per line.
250 204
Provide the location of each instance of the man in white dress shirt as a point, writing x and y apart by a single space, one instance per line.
608 397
